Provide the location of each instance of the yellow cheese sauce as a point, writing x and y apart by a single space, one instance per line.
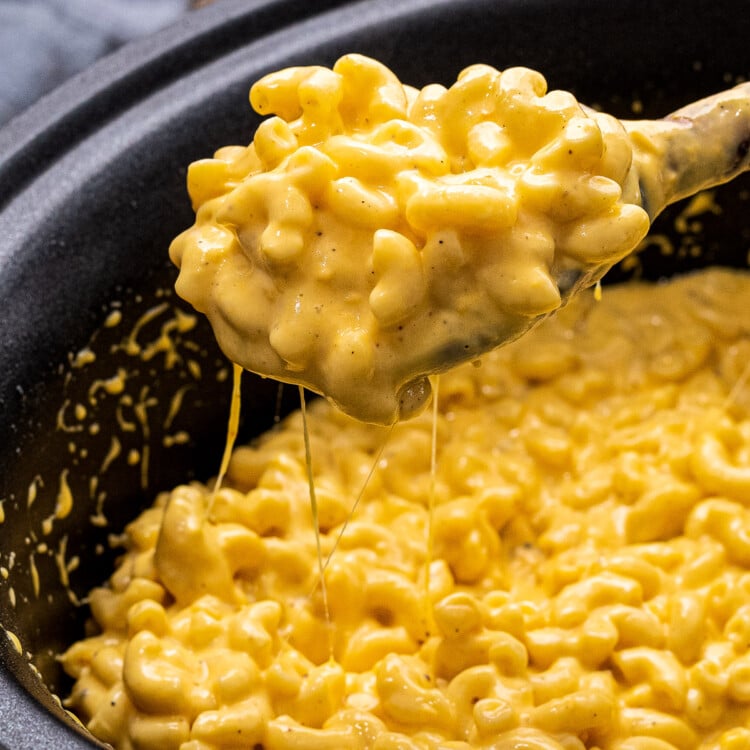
589 583
373 233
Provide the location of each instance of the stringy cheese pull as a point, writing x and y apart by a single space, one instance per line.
377 232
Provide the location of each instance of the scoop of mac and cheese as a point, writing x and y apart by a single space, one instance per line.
589 582
373 233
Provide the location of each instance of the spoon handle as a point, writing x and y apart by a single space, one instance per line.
699 146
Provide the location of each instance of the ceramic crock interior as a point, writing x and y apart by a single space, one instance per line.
92 191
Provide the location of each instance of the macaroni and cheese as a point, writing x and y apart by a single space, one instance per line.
373 233
589 577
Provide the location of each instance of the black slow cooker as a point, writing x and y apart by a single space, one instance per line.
92 189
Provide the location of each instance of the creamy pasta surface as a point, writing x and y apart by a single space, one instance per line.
373 233
589 568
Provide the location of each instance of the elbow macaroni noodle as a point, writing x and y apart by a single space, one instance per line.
589 582
372 233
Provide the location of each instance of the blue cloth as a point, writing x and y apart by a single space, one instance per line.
44 42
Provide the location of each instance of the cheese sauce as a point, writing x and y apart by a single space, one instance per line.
589 577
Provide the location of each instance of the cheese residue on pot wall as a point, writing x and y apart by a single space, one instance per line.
590 576
107 424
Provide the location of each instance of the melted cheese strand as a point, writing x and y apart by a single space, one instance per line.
315 516
742 380
430 542
232 430
360 494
